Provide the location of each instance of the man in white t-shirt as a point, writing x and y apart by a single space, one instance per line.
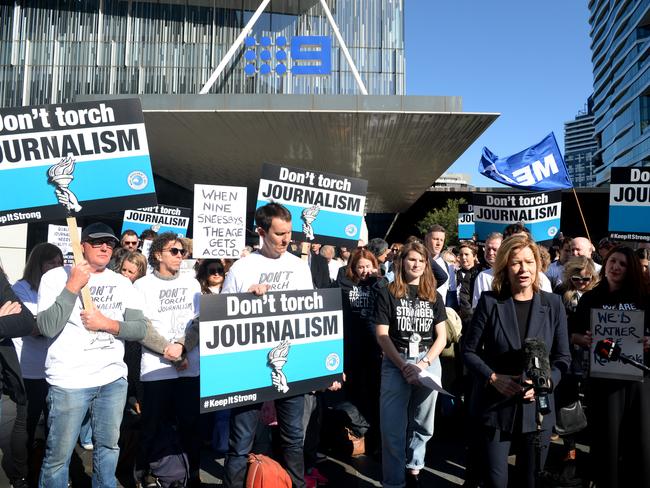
85 361
269 269
170 381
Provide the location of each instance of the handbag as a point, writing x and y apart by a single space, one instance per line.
570 419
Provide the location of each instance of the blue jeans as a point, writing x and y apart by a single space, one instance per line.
86 432
67 409
243 424
406 416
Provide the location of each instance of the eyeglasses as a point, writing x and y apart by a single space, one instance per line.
581 279
130 243
100 242
395 249
175 251
215 271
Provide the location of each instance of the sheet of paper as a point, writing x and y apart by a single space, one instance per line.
432 381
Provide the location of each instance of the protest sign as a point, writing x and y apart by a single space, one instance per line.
161 218
325 207
219 221
629 204
71 160
60 237
259 348
539 212
625 328
465 221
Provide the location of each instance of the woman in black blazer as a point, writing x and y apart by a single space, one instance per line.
514 310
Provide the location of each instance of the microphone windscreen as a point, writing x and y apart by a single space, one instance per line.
536 355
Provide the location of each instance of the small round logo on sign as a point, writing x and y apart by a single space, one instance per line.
332 362
137 180
350 230
552 231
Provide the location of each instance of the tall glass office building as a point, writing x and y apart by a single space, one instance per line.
620 33
51 52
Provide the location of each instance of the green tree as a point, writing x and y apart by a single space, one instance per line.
446 216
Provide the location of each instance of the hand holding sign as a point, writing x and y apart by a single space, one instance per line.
79 276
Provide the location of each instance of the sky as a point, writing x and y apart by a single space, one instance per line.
527 60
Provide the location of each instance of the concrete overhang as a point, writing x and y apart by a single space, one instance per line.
400 144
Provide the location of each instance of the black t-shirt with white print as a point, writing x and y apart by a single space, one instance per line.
407 315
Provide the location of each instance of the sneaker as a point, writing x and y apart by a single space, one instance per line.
413 480
318 476
88 446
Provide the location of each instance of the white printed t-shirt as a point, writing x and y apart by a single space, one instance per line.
170 305
31 350
77 357
286 272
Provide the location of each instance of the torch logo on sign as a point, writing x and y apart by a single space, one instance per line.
61 175
308 216
277 359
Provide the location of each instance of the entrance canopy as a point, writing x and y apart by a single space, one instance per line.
400 144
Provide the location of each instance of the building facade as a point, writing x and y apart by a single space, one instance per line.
580 146
620 44
52 52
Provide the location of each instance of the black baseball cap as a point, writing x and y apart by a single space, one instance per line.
97 231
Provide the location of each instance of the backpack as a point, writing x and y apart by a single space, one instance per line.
264 472
170 466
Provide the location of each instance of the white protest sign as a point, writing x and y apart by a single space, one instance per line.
219 221
60 237
625 328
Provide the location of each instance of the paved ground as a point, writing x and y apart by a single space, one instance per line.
445 462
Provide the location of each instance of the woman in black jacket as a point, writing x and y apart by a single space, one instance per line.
516 309
15 321
619 410
362 354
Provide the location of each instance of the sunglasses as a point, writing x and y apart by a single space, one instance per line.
100 242
581 279
130 243
175 251
215 271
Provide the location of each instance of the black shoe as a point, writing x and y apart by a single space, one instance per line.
412 480
19 483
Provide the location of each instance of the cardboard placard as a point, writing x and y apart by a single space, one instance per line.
465 221
160 218
59 235
259 348
539 212
325 208
219 221
629 204
70 160
625 327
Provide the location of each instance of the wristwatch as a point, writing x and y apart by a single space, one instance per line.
426 359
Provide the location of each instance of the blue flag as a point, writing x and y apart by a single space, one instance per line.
540 167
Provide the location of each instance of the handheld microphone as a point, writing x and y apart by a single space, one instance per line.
610 351
538 370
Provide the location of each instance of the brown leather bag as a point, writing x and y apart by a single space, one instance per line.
264 472
358 444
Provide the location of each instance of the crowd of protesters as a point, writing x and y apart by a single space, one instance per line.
121 376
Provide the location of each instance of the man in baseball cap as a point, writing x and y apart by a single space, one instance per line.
85 361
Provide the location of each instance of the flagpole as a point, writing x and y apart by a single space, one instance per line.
581 214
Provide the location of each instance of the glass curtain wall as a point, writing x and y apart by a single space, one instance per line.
51 52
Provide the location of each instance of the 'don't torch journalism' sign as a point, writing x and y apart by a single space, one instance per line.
73 160
539 212
259 348
325 208
160 218
629 204
465 221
